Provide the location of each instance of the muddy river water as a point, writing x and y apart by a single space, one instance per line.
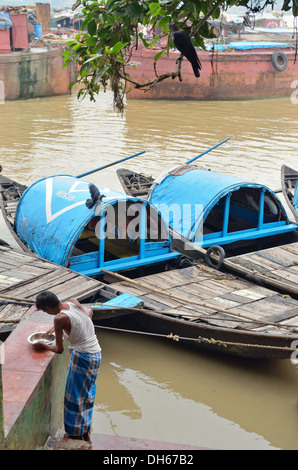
148 388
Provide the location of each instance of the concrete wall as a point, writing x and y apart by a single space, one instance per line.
33 391
1 412
35 74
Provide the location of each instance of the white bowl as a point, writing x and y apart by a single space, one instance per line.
49 339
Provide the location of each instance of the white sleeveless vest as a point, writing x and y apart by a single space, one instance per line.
82 336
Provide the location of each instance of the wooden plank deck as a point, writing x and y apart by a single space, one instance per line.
24 275
204 295
275 267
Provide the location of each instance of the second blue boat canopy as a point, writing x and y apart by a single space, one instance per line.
211 207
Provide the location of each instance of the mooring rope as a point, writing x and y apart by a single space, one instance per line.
199 339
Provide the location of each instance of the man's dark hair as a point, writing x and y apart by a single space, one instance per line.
46 299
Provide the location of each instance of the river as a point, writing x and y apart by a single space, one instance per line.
148 388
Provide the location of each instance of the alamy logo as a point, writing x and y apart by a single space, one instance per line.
294 355
294 95
123 221
2 92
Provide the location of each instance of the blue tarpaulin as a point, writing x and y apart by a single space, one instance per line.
246 45
295 200
52 214
5 21
186 195
184 198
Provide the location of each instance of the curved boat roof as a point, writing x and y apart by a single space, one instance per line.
186 195
52 213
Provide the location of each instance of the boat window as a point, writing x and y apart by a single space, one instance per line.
122 230
244 209
88 241
156 229
273 211
214 221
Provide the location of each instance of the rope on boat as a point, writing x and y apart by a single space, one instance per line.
200 339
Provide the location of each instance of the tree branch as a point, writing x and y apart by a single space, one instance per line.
146 86
203 20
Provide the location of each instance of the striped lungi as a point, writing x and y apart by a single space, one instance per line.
80 392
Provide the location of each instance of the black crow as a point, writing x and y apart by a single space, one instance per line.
184 45
96 197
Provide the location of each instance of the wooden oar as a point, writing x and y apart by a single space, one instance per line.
110 164
206 151
17 299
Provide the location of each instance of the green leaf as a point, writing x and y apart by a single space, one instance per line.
91 41
153 41
164 22
116 48
100 74
286 5
92 27
146 44
66 63
155 9
159 54
134 10
92 59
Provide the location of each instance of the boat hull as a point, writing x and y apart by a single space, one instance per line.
217 340
289 178
224 75
161 310
34 74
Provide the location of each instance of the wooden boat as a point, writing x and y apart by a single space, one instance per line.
272 265
10 194
51 218
227 211
245 70
289 178
197 306
24 275
212 311
135 184
270 261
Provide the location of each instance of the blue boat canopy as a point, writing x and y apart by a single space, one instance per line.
295 199
117 233
212 208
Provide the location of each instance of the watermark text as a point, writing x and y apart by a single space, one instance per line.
294 95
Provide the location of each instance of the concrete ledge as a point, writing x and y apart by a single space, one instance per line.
33 387
105 442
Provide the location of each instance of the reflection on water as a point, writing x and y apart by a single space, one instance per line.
146 388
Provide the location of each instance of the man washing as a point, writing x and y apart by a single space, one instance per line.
73 323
